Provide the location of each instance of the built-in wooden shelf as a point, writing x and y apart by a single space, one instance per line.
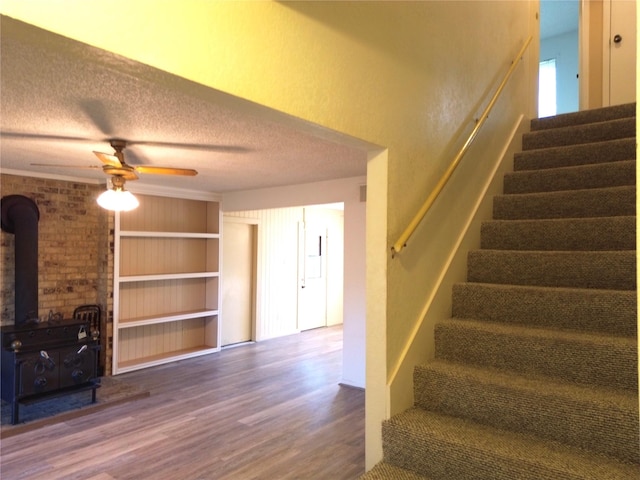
143 234
167 276
150 320
154 360
167 282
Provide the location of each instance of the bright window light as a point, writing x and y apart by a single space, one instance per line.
547 88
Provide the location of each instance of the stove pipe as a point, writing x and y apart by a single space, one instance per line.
20 216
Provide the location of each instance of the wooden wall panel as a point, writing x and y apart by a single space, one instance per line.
213 218
165 214
278 271
161 339
212 327
148 299
153 256
213 255
212 301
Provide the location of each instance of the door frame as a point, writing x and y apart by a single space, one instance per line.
594 28
583 55
257 294
606 50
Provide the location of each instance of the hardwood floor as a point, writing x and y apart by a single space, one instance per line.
271 410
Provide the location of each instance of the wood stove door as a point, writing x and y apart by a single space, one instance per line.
78 365
38 373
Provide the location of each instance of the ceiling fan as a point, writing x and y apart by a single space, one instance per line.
115 165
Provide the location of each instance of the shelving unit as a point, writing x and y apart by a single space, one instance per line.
167 282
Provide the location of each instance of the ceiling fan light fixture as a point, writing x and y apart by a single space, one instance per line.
116 198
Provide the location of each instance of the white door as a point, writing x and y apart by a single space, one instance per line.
312 284
238 287
620 48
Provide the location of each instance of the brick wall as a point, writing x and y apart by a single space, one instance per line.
75 249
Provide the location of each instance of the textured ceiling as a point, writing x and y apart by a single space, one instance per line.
61 100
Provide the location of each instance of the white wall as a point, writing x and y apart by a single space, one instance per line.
354 304
564 48
279 210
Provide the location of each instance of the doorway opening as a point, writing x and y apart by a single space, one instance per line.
240 259
321 266
559 89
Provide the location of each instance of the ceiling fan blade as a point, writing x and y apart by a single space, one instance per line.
108 159
55 165
166 171
42 136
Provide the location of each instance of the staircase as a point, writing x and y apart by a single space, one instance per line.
536 374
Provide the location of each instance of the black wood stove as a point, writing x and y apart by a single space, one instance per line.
41 360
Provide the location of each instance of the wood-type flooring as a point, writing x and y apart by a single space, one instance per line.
270 410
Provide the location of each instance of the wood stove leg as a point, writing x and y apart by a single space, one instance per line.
93 395
17 381
15 414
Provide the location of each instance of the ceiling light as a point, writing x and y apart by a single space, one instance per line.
116 198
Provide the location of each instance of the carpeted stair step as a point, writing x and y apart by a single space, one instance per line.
580 134
602 420
599 233
614 270
442 447
567 156
596 202
598 175
585 116
613 312
590 359
387 471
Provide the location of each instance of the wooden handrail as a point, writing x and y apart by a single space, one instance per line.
402 240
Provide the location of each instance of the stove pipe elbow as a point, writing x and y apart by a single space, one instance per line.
20 216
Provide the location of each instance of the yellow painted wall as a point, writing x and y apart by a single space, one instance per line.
408 76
